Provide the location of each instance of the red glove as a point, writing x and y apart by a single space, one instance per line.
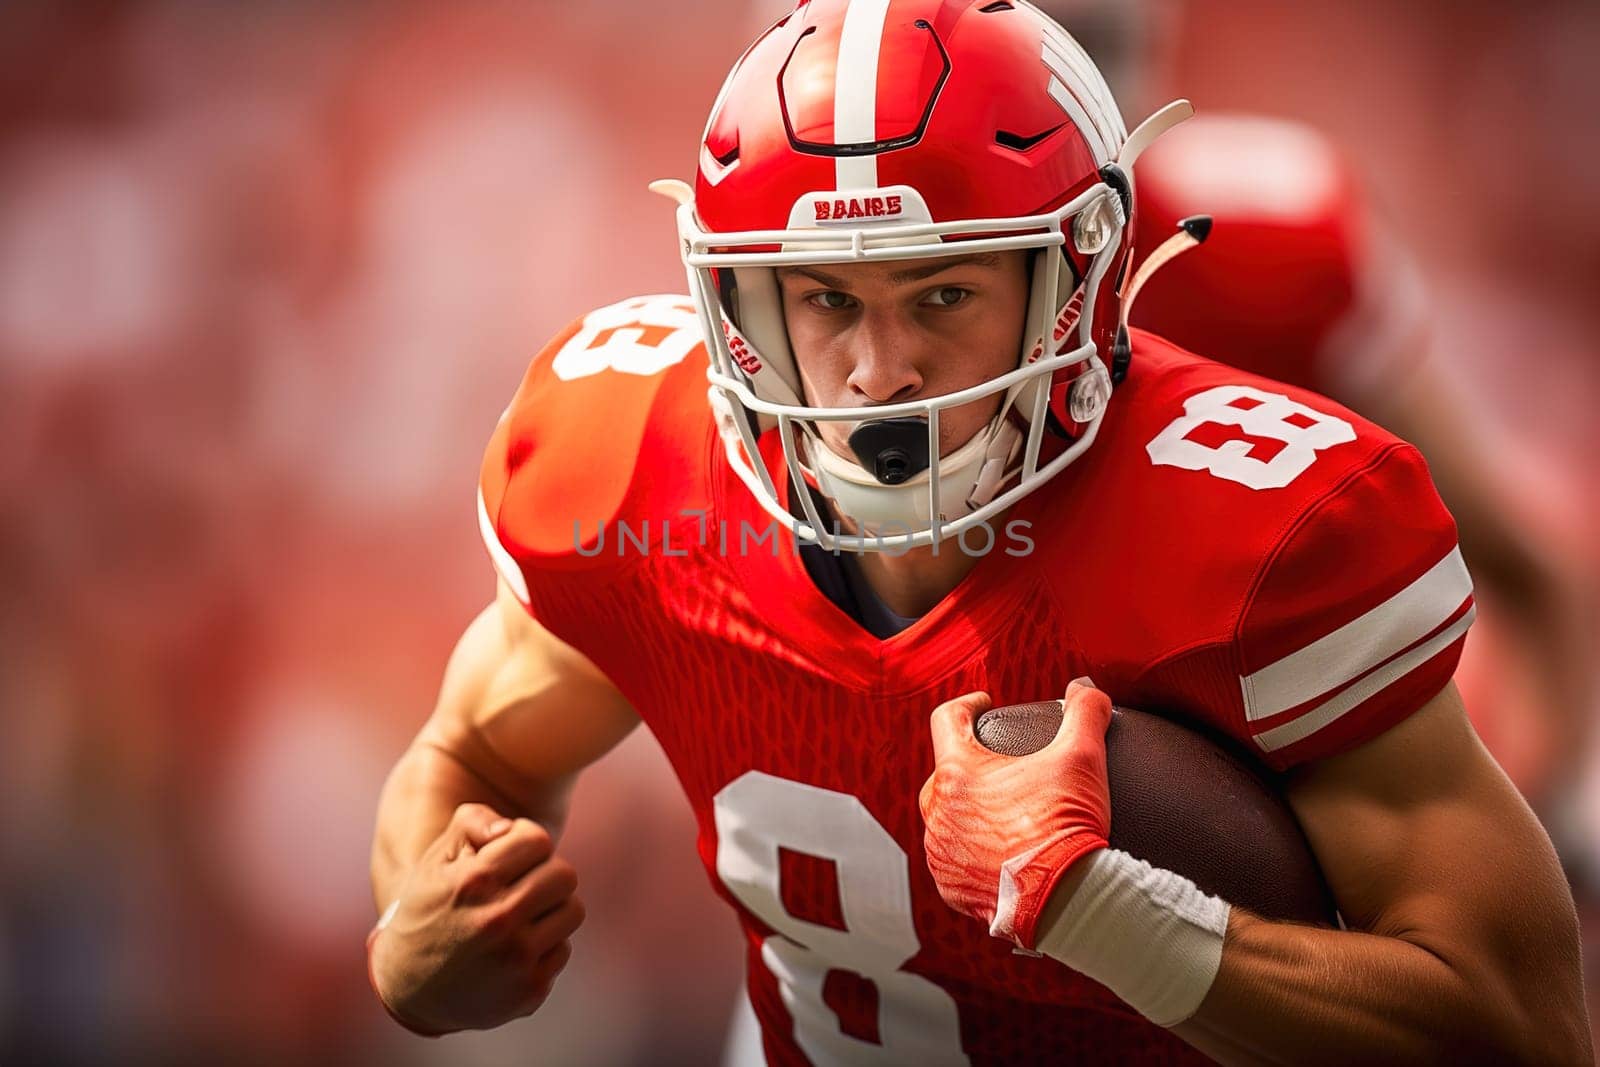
1002 830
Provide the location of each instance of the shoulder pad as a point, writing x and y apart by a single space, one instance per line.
610 423
1199 470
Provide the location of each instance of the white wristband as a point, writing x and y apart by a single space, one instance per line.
1147 934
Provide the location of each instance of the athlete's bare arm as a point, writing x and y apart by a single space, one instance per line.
463 859
1468 942
519 714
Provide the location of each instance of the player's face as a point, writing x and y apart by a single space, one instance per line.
884 333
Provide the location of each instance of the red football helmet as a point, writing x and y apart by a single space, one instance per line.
899 129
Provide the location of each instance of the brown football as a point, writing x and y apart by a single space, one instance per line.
1190 802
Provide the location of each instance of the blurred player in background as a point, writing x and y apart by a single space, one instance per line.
860 240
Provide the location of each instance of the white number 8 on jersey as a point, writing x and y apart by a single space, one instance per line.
758 813
1269 418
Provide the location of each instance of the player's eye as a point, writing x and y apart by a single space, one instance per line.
830 300
948 297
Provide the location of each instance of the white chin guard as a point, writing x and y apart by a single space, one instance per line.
968 477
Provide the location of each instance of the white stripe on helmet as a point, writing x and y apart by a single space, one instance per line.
855 91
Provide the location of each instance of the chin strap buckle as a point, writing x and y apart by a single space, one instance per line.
996 464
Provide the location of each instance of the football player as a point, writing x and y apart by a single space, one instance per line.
936 467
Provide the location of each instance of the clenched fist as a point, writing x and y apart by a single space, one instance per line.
479 929
1003 830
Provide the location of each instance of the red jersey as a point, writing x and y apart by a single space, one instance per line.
1230 550
1297 282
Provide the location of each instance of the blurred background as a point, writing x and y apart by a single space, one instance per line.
268 274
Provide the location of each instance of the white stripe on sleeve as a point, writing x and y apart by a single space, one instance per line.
1357 647
1314 720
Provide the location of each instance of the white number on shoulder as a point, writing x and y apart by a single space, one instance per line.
758 814
1259 439
643 336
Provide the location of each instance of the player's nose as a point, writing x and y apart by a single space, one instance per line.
884 369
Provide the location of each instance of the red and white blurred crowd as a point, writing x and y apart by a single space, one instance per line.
268 274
